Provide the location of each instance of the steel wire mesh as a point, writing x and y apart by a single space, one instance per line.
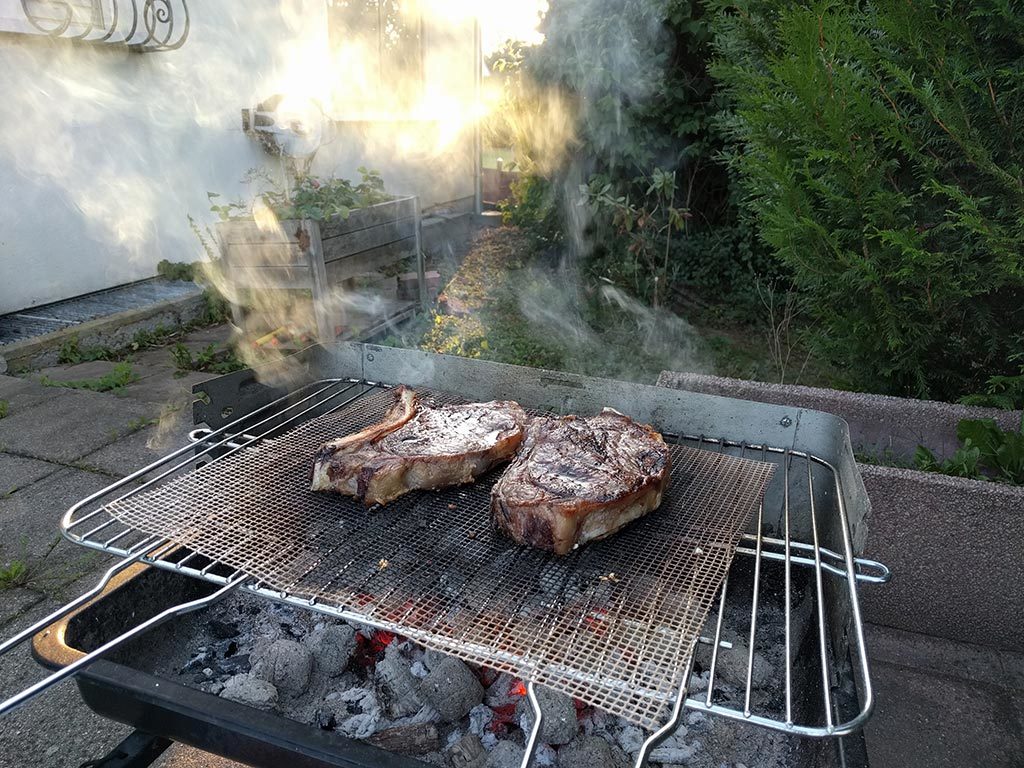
611 624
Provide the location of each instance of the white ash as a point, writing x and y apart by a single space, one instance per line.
357 712
324 672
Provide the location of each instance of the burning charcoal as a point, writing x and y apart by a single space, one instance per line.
506 755
202 659
504 690
468 752
452 688
432 658
398 688
251 691
673 754
284 663
480 718
696 719
544 756
560 724
222 630
700 682
732 666
631 739
332 647
588 752
235 664
324 719
416 739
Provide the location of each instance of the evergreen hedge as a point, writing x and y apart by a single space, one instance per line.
878 146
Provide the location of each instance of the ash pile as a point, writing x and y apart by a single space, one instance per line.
381 688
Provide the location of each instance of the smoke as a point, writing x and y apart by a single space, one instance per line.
598 57
606 332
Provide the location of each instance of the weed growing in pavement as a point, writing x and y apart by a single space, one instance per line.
14 574
119 377
33 572
5 408
71 352
209 359
136 425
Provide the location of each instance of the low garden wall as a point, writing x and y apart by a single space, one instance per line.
953 544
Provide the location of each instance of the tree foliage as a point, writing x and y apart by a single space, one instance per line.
878 147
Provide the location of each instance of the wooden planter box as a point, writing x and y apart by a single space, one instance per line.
305 271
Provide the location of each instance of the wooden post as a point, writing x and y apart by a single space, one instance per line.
421 272
321 291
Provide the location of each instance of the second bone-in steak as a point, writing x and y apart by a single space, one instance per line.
419 446
575 480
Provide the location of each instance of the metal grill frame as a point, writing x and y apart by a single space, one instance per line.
88 524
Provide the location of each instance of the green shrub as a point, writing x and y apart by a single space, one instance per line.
878 149
1006 392
534 208
310 197
987 452
177 270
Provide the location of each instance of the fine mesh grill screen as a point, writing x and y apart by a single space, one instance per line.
611 623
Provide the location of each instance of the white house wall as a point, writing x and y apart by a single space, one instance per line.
103 153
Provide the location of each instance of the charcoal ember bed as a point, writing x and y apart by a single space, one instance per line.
380 687
611 624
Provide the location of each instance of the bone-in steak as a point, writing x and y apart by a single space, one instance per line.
419 446
575 480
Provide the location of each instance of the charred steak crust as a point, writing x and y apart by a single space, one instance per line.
576 480
418 446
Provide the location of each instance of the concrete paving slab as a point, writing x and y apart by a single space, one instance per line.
68 426
166 389
144 447
943 704
94 369
934 655
55 730
14 601
29 529
22 394
17 472
215 334
928 721
153 361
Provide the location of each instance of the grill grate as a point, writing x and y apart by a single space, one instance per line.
612 624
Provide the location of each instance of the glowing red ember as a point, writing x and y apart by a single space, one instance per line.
370 650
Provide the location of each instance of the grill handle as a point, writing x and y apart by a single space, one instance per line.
79 601
176 610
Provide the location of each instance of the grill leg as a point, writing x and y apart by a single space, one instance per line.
137 751
673 722
538 716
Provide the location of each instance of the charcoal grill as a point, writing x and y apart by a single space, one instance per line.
614 624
